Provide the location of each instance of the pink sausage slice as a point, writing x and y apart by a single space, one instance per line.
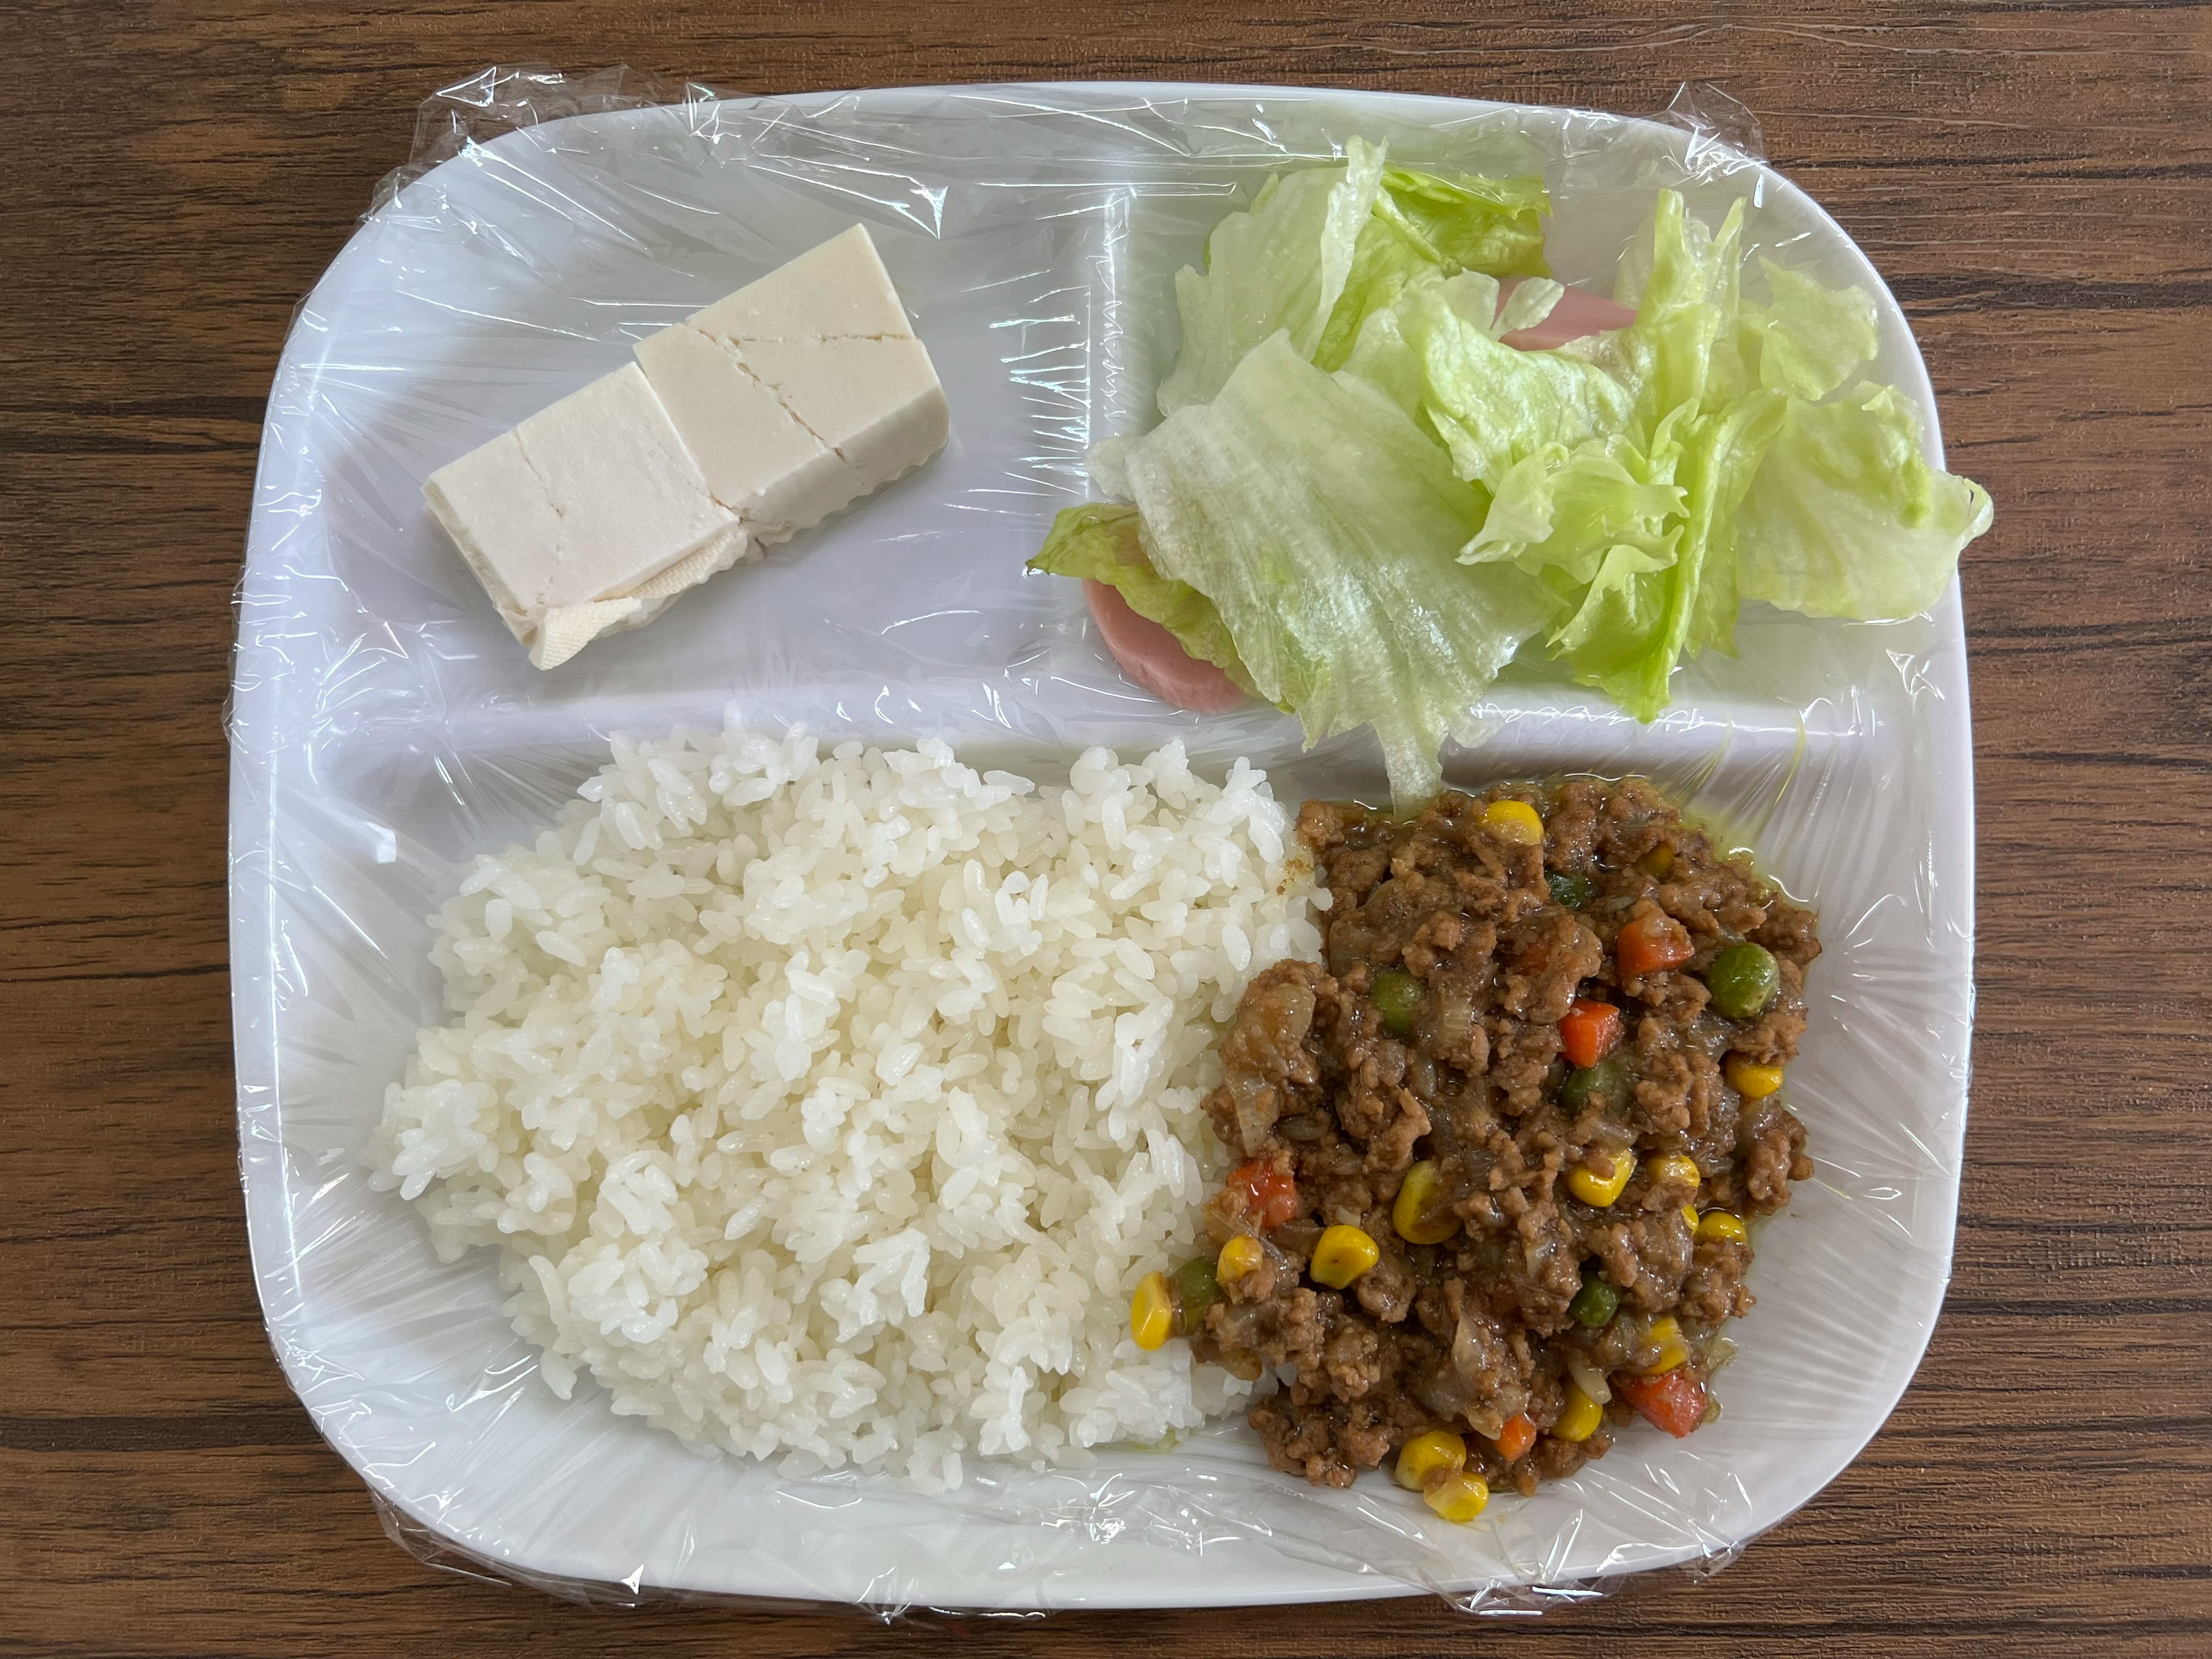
1579 314
1155 659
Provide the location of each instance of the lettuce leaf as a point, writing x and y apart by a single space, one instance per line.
1562 511
1425 225
1281 264
1100 541
1692 465
1810 339
1847 518
1494 226
1649 616
1324 523
1491 405
1321 250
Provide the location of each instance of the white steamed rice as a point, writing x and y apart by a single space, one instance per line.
830 1109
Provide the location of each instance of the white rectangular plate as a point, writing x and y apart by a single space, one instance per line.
386 727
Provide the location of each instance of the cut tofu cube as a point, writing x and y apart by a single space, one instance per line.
835 287
755 417
803 391
758 458
579 519
876 402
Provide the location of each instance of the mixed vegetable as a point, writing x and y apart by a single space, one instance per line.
1651 1193
1614 1347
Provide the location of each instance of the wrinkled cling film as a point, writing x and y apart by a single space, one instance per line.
385 729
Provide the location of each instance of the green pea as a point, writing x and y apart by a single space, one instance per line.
1597 1302
1195 1288
1602 1081
1743 980
1397 997
1573 891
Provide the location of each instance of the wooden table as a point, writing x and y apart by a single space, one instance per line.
2035 183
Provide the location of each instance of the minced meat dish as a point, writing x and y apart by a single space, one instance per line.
1499 1149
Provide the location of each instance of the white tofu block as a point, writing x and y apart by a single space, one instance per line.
803 391
835 287
876 402
577 519
758 458
755 417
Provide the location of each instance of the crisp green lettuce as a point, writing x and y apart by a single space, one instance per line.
1363 502
1811 339
1324 525
1560 511
1489 405
1281 264
1321 251
1847 518
1652 616
1424 225
1494 226
1709 472
1100 541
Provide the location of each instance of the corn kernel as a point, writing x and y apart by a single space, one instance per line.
1672 1351
1690 1217
1342 1256
1425 1454
1458 1497
1239 1256
1598 1191
1420 1216
1151 1310
1514 822
1579 1418
1720 1224
1658 862
1676 1169
1750 1079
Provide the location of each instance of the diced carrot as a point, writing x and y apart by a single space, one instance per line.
1652 941
1270 1194
1516 1437
1674 1401
1590 1031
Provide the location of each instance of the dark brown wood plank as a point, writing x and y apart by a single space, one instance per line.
2034 179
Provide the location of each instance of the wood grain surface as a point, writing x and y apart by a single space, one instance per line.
2034 180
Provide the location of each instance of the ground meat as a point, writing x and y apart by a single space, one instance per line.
1349 1079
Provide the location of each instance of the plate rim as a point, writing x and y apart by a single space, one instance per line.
259 1121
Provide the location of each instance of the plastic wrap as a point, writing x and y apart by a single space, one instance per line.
386 729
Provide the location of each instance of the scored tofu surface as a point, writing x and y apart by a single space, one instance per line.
803 391
759 459
575 519
835 287
762 414
631 498
582 502
876 401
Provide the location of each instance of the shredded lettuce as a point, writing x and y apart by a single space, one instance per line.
1321 251
1706 473
1324 523
1363 502
1494 226
1281 265
1811 339
1847 518
1488 403
1100 541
